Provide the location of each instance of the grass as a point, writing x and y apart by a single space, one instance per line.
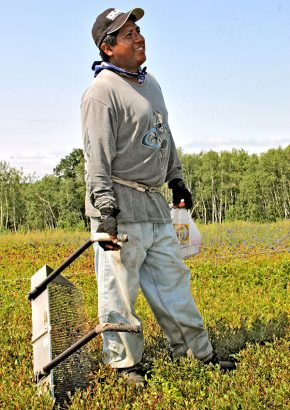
240 282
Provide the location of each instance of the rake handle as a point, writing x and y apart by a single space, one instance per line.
95 237
103 327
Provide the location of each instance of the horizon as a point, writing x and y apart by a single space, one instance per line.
38 177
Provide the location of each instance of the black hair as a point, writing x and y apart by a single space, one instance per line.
112 41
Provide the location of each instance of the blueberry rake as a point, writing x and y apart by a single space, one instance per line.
61 359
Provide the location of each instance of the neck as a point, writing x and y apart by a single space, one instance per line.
126 68
130 70
137 77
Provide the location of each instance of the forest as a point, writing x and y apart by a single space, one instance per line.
226 186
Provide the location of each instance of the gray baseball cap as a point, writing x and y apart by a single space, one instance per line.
112 20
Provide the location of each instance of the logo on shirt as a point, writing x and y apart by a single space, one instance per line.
156 137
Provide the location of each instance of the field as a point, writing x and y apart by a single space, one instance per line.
240 282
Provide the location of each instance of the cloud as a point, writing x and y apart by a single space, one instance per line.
30 156
37 164
252 145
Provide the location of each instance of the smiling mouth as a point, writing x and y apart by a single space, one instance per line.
140 49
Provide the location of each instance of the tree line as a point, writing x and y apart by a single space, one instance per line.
226 186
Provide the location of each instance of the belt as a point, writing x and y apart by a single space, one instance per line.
135 185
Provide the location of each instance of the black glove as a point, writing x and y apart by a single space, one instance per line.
108 224
179 192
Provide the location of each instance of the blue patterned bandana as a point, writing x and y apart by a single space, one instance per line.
98 66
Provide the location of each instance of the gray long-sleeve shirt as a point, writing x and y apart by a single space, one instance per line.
126 135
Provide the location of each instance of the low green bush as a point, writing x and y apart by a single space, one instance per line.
240 282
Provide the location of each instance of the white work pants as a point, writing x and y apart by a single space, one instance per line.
150 259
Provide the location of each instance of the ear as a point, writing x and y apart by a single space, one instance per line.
107 49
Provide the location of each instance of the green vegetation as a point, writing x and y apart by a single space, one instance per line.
241 284
226 186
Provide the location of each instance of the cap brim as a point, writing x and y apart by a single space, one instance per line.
137 13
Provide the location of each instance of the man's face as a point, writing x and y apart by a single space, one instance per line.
129 52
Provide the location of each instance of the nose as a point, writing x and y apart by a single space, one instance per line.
138 37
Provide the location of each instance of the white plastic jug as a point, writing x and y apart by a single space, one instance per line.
188 235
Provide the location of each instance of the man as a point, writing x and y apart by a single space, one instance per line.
129 154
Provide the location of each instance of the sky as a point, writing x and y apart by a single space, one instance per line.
223 66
